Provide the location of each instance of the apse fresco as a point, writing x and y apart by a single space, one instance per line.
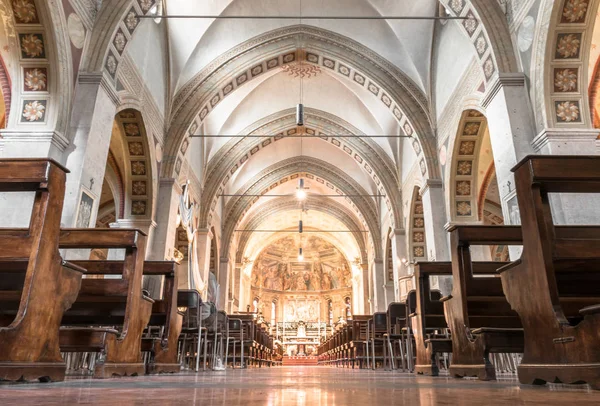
324 267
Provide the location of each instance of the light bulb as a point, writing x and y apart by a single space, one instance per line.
301 194
300 255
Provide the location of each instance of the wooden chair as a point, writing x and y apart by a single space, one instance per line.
554 286
397 332
109 302
193 333
36 285
477 313
359 344
428 317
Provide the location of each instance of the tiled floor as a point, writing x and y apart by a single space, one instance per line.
293 386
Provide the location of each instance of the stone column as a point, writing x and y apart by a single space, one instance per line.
224 272
379 281
434 210
203 241
399 251
90 132
571 208
367 288
237 280
512 128
167 206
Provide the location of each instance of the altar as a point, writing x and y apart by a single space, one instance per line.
301 338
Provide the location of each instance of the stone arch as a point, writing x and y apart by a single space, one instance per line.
462 190
284 171
566 97
121 21
5 94
338 54
325 205
487 28
367 154
42 81
138 171
389 257
416 228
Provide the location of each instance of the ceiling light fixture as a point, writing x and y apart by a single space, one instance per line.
300 255
300 191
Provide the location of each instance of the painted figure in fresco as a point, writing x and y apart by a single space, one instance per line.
315 281
326 283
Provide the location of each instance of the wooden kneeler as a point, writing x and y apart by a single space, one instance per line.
109 302
36 287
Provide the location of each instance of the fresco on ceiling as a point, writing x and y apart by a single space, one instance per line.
324 266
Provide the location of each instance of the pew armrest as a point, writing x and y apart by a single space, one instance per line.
73 267
590 310
509 266
445 298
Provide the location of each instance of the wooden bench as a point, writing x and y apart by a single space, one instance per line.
479 317
35 288
554 287
428 316
165 315
109 302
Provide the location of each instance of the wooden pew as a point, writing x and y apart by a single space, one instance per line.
35 287
109 302
165 315
428 316
477 312
554 287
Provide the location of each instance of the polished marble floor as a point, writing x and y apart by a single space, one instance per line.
294 386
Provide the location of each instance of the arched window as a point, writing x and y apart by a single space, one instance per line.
255 305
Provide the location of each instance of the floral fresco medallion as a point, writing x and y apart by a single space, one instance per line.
418 236
132 129
25 12
418 252
146 5
464 168
471 129
463 208
138 207
566 80
467 148
463 188
481 44
138 168
136 148
574 11
568 111
32 46
138 187
457 5
418 223
131 20
120 41
111 64
35 79
418 208
34 111
470 23
489 68
568 46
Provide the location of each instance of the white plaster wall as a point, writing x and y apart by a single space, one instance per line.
453 54
148 49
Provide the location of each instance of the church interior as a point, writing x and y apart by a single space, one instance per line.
310 202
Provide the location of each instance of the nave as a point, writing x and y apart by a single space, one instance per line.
299 386
403 193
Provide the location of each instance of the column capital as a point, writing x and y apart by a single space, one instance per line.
399 231
431 184
462 223
12 136
566 137
504 79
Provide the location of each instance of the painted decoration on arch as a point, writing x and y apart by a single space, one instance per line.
25 12
35 79
34 111
32 46
324 267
